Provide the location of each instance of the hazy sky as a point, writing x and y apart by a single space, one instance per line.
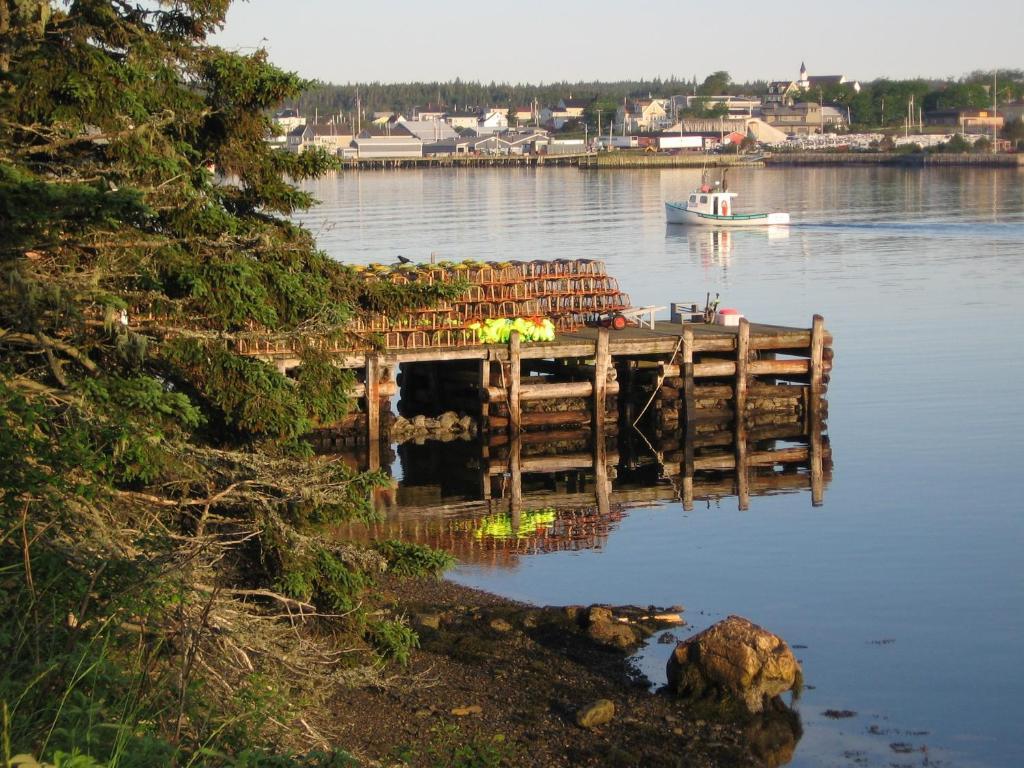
553 40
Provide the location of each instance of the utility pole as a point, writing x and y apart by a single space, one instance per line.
994 106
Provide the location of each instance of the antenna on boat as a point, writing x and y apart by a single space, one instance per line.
725 181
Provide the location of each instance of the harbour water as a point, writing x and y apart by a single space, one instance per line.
904 592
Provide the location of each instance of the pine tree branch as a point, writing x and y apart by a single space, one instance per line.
42 341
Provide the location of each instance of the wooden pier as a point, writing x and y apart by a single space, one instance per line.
705 398
708 399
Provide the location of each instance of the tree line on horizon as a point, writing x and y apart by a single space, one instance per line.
879 102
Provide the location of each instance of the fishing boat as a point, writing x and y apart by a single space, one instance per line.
711 205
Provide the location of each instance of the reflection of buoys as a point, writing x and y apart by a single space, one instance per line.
532 523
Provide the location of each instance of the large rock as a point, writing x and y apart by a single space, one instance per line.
613 634
737 658
604 628
597 714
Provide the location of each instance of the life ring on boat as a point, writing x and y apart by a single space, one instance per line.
725 207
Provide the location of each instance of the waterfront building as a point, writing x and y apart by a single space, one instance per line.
372 145
780 92
527 142
642 115
288 119
493 121
432 130
967 120
525 115
459 145
332 136
429 112
574 108
804 117
738 106
463 119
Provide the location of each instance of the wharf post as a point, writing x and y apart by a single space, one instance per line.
601 363
514 385
690 407
740 405
372 398
814 410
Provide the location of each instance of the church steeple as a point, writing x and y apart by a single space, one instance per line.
803 71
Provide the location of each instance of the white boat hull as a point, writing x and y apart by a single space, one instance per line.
678 213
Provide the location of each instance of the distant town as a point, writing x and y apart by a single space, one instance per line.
809 112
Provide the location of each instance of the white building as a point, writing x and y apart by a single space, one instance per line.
385 147
465 119
428 131
494 121
289 120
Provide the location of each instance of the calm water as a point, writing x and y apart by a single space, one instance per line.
907 586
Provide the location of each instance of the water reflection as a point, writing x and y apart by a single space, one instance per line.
714 247
493 500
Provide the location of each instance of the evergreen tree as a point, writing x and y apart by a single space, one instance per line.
148 470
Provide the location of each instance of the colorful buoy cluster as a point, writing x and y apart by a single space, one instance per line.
499 330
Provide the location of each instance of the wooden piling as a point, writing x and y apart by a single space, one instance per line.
689 403
515 384
817 354
373 411
742 364
601 361
515 467
602 369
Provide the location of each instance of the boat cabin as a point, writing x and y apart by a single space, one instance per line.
711 200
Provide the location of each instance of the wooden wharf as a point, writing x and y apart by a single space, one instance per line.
707 398
715 400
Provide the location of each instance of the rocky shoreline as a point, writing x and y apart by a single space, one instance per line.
497 682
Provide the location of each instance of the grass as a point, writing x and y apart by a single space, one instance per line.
407 559
448 747
393 639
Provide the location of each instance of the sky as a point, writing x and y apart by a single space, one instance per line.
533 41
